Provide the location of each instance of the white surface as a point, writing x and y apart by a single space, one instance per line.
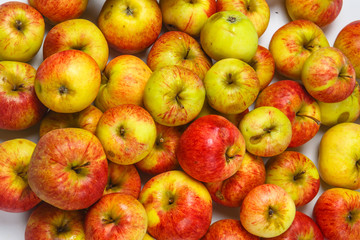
12 225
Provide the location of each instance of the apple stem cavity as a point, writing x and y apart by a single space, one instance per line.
63 228
77 169
17 87
19 25
229 79
187 53
298 175
178 98
109 220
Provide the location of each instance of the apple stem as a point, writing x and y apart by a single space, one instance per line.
17 87
297 176
187 53
314 119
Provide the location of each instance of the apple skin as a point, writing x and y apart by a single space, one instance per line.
229 34
67 81
257 11
15 192
348 42
123 179
295 102
178 206
266 130
337 213
338 156
267 211
79 34
47 222
174 95
185 16
116 216
59 10
21 108
231 86
86 119
22 30
178 48
162 157
227 229
127 133
123 82
296 174
147 237
211 149
68 169
232 191
328 75
130 26
303 227
322 13
293 43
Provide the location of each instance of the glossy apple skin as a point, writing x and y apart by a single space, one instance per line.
257 11
267 211
116 216
80 34
21 108
293 43
60 10
337 213
227 229
296 174
303 227
328 75
322 13
24 43
15 192
130 26
47 222
178 206
293 100
211 149
232 191
185 16
178 48
123 82
68 169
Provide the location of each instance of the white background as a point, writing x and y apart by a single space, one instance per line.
12 225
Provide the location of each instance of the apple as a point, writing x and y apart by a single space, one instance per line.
59 10
257 11
267 211
347 110
348 42
67 81
293 43
15 193
232 191
295 102
86 119
47 222
147 237
68 169
130 26
123 82
22 31
296 174
322 13
127 133
178 48
211 149
231 86
229 34
78 34
337 213
174 95
338 161
266 130
21 108
227 229
303 227
186 16
162 157
116 216
328 75
123 179
178 207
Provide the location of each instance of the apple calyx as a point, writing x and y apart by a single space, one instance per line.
231 19
129 11
122 131
219 195
21 172
159 141
63 90
19 25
